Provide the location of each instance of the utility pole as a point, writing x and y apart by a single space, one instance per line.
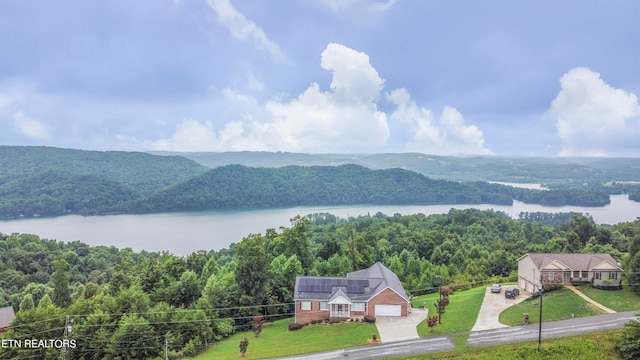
166 346
540 324
439 306
67 330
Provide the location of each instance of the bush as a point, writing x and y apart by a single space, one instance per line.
628 344
370 319
552 287
295 326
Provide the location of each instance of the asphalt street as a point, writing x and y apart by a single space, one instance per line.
514 334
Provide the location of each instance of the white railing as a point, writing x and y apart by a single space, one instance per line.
344 314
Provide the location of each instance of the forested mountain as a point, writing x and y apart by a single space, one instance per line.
141 172
559 170
123 303
49 182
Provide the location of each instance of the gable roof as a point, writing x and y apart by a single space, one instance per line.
6 316
575 262
360 285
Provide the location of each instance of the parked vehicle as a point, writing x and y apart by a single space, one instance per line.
511 292
495 288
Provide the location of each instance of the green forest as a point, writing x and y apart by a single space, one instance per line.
124 304
41 181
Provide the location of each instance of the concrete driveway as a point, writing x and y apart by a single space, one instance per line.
492 305
398 328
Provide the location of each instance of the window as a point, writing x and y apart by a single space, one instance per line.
551 276
324 306
613 275
305 305
597 275
358 307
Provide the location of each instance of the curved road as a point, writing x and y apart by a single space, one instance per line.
515 334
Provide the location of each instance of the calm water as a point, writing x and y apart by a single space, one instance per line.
183 233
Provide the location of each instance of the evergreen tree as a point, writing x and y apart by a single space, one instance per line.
27 303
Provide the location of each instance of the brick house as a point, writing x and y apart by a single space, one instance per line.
373 291
599 269
6 317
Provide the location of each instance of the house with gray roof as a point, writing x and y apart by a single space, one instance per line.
373 291
536 269
6 317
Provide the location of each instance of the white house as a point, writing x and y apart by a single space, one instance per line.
600 269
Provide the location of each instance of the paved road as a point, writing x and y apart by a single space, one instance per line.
516 334
403 348
554 329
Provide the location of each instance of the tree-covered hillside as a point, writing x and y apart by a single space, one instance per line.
575 171
141 172
49 182
123 303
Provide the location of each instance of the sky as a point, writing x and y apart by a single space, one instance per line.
465 78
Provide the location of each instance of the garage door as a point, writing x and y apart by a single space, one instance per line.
388 310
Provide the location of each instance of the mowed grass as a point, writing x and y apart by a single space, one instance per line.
556 305
276 340
596 346
618 300
460 315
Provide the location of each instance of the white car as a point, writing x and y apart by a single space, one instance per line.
495 288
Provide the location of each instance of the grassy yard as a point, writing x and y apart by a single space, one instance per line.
556 305
596 346
461 313
618 300
276 340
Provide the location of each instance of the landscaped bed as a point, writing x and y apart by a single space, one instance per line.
276 340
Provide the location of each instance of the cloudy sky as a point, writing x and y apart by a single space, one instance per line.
535 78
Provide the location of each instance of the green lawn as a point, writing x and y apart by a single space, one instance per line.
276 340
556 305
618 300
596 346
461 314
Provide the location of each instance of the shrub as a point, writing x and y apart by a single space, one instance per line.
628 343
370 319
295 326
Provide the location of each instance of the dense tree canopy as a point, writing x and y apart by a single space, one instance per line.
124 303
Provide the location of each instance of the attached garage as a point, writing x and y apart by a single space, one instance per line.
388 310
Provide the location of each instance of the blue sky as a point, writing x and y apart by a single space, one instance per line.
535 78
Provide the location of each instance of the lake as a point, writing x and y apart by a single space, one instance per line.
184 232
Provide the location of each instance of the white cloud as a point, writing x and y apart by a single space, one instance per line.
593 118
242 28
344 119
30 127
446 134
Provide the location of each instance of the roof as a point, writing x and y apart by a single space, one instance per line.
360 285
6 316
576 262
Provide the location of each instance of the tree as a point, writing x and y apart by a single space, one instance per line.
45 302
60 281
27 303
296 242
252 273
134 339
187 289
